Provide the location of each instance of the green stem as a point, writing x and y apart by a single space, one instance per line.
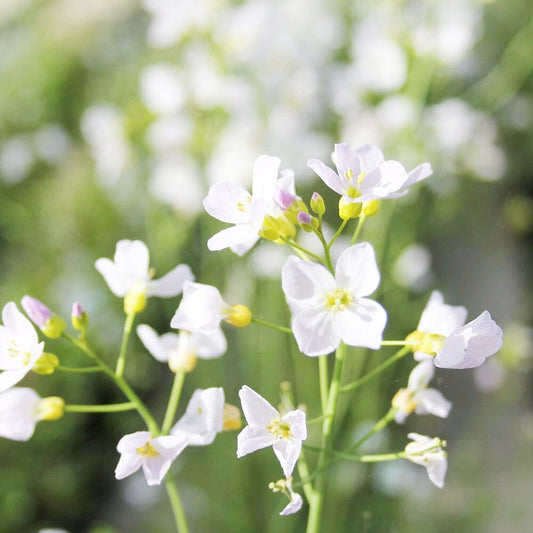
177 507
121 384
303 471
324 380
337 233
357 383
295 246
270 325
361 458
121 361
316 503
327 255
360 224
110 408
79 370
382 423
173 401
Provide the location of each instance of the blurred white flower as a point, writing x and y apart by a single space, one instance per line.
429 453
162 89
153 455
267 427
16 159
413 266
51 142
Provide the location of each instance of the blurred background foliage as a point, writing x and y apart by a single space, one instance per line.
115 117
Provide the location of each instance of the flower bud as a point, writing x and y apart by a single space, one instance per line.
238 316
79 318
403 400
284 199
307 222
135 301
317 204
277 228
231 418
348 210
371 207
46 364
51 408
50 324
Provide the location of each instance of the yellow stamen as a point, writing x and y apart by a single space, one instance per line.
338 300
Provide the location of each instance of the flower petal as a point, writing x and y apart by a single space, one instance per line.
327 175
171 284
362 324
432 402
257 411
210 345
239 238
357 270
316 332
293 506
287 451
228 202
20 328
112 276
127 465
152 342
251 439
18 406
265 175
132 257
441 318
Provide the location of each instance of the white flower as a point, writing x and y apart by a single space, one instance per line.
19 346
428 452
19 413
129 275
203 418
154 456
266 427
181 349
295 500
327 309
232 204
202 309
441 333
363 174
418 397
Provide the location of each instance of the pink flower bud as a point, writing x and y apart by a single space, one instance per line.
284 199
36 310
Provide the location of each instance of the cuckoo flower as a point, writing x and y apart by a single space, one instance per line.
19 346
441 333
266 427
20 410
428 452
231 203
295 500
130 276
153 455
182 349
203 418
418 397
328 309
202 309
363 174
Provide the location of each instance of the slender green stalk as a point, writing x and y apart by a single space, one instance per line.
316 503
360 224
357 383
270 325
303 471
173 401
177 507
324 381
382 423
360 458
337 233
109 408
79 370
295 246
325 245
121 361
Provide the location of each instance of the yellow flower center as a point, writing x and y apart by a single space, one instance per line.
404 401
338 300
430 343
353 190
147 450
16 353
279 429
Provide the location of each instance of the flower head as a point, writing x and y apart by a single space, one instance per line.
231 203
267 427
153 455
327 309
202 309
20 410
129 276
363 174
203 418
182 350
418 397
429 453
441 333
19 346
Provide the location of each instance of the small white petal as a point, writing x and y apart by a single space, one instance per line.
18 408
132 257
228 202
112 276
357 270
257 411
239 238
251 439
316 331
265 174
362 324
152 342
432 402
327 175
293 506
441 318
171 284
287 451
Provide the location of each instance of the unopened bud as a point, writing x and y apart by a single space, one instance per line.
348 210
51 408
231 418
307 222
238 316
46 364
317 204
277 228
49 323
79 318
371 207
